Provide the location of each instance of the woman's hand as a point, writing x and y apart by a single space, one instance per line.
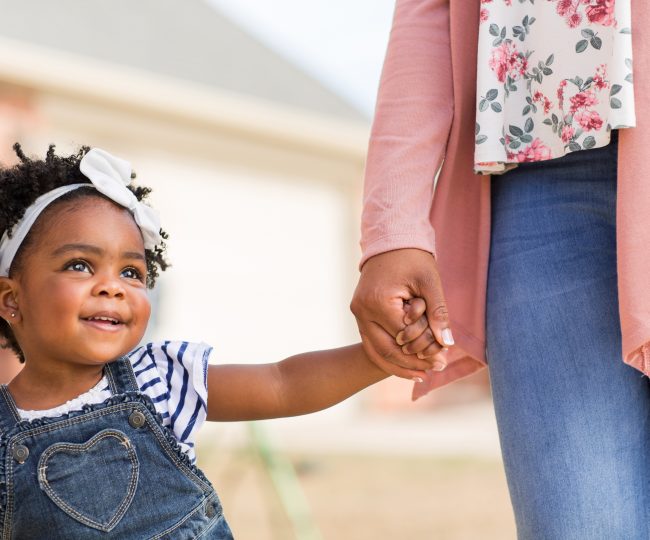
388 282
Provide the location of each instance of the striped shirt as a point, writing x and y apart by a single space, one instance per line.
173 374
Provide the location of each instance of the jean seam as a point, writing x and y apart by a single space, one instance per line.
191 513
10 402
6 532
209 525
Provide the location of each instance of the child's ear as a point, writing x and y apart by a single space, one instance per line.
8 303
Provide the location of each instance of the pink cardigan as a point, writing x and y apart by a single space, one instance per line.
425 112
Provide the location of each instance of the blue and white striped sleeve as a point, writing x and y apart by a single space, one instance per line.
174 375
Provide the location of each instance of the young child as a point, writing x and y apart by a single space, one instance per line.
96 434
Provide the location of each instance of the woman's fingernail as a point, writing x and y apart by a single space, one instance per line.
439 366
400 338
447 338
418 379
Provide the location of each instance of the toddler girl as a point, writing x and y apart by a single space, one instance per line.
96 432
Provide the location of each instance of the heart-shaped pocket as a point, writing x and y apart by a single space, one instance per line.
93 482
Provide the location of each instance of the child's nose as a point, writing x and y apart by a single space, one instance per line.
109 287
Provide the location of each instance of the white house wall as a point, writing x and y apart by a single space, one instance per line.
258 265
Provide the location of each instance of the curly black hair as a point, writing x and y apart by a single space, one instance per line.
23 183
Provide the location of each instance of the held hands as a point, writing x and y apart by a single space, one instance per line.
401 313
417 337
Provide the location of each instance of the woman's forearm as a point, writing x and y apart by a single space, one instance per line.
410 130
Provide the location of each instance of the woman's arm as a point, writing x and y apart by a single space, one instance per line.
409 134
301 384
408 141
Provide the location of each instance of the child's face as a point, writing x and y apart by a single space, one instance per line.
81 287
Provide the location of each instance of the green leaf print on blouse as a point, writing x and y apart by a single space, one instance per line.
499 33
488 101
522 31
517 135
628 63
480 139
615 103
512 143
538 72
591 39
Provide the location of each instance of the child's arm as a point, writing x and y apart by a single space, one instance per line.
301 384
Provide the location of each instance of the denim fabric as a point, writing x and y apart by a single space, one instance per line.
573 419
109 471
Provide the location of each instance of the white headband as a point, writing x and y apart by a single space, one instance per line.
110 176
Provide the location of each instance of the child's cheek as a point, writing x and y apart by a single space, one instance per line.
143 310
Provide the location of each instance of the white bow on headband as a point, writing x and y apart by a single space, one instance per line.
108 175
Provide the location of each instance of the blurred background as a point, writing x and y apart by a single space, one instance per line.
250 120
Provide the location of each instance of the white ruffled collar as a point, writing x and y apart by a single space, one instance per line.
96 394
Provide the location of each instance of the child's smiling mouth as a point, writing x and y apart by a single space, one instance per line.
105 321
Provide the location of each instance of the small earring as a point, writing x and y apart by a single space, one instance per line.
13 314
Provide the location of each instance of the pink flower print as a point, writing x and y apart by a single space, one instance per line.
589 120
567 133
566 7
560 93
601 12
582 100
574 20
597 11
600 79
535 151
484 12
507 60
543 100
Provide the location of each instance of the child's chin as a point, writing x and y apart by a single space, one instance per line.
103 355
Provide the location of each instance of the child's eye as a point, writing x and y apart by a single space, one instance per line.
132 273
78 266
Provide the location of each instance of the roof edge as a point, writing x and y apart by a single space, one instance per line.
59 72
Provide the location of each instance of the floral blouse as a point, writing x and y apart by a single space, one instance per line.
553 77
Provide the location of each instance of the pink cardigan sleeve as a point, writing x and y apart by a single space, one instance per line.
410 130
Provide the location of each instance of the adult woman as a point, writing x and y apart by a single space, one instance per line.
536 260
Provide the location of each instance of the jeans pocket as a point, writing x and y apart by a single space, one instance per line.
93 482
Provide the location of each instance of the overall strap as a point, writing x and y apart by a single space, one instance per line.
120 376
8 414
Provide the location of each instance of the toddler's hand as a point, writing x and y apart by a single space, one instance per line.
417 337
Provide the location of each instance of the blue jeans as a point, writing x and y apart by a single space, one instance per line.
574 421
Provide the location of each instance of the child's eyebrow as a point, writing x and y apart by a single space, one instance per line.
95 250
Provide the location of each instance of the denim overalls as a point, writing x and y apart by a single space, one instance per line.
109 471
